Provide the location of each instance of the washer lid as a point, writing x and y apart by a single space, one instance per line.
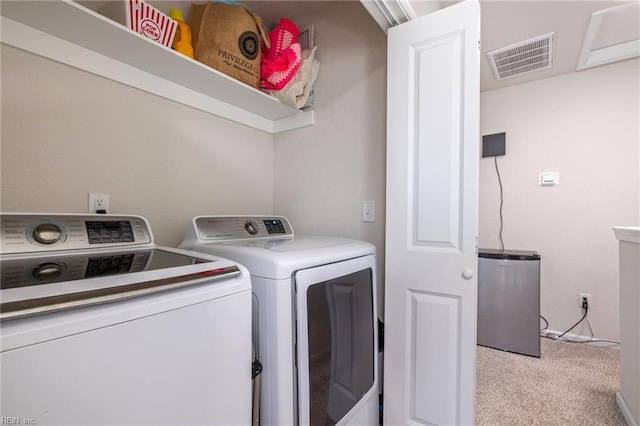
41 270
45 283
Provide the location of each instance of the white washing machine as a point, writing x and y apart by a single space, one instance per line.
314 317
101 326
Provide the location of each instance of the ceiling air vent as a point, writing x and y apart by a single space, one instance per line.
521 58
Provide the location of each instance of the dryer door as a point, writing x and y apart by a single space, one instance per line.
336 340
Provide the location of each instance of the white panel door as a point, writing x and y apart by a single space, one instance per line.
432 216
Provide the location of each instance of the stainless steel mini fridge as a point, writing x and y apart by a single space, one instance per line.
509 300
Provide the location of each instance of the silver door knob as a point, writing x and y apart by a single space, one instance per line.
467 274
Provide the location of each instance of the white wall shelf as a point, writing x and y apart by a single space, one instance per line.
69 33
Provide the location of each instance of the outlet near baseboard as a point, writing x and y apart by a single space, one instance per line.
587 296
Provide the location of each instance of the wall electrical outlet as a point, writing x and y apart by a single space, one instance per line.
586 296
98 203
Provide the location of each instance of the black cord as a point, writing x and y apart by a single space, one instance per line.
590 340
495 160
586 310
545 322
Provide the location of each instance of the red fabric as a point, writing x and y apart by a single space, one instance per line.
280 62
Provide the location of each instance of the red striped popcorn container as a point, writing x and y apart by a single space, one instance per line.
143 19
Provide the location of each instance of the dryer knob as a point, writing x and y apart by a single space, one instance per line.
251 227
47 272
47 233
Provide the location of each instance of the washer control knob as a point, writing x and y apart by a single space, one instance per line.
251 227
47 272
47 233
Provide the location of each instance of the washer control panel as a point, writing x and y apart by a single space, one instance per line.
25 233
216 228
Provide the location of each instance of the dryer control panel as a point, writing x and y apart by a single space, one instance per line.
30 233
224 228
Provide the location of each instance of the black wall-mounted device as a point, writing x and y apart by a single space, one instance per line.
493 145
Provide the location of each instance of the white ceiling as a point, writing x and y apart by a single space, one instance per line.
507 22
502 23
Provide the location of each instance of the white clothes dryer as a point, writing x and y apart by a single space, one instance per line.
101 326
314 317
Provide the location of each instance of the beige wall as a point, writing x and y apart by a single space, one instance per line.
585 126
324 172
67 132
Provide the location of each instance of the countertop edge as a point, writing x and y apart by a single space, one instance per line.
627 233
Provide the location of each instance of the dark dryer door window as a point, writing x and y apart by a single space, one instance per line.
336 341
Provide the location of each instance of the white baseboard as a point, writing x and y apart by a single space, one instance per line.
578 338
625 410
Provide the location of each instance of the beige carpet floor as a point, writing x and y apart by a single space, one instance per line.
570 384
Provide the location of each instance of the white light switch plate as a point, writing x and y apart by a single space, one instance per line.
368 211
549 178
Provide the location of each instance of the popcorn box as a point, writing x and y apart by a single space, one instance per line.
143 19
